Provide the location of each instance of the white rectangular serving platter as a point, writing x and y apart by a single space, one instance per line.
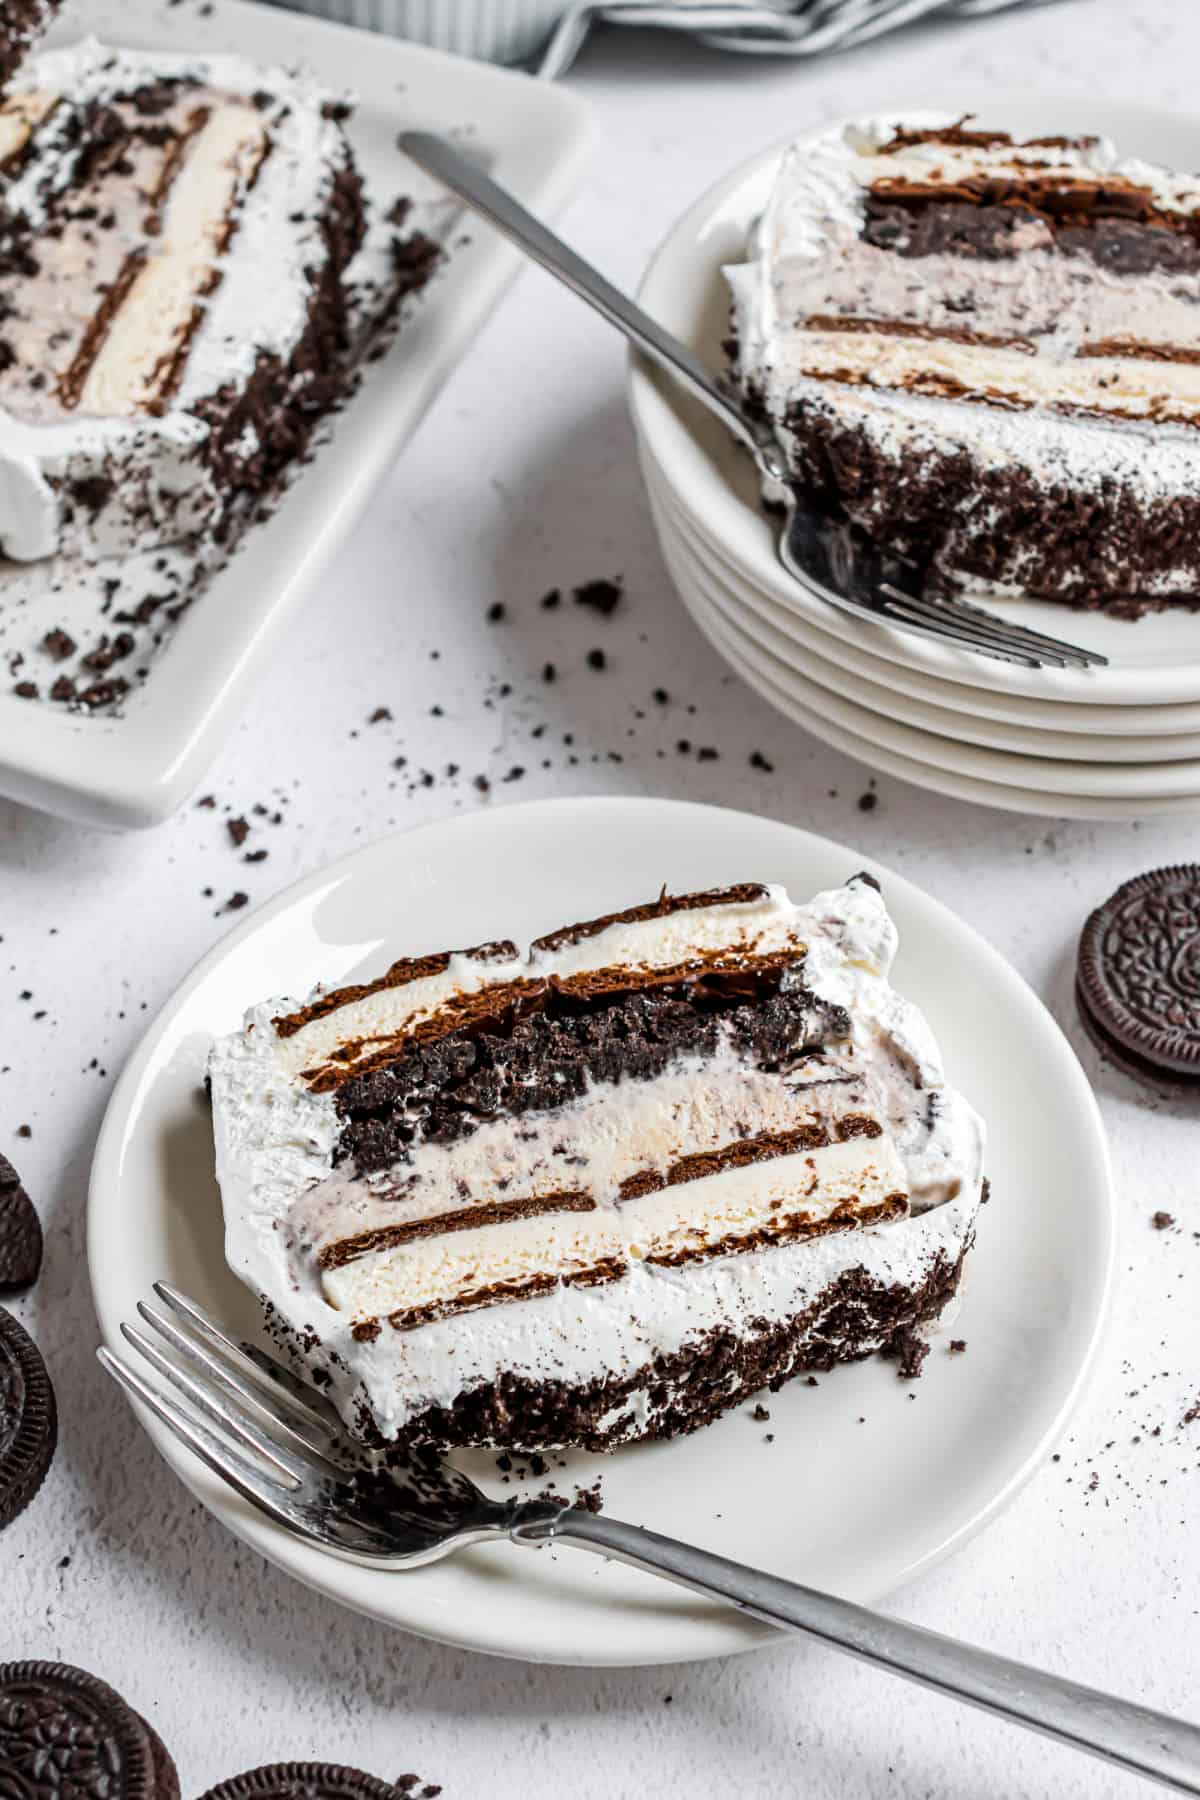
134 770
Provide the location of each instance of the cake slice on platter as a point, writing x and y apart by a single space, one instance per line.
986 354
174 239
605 1189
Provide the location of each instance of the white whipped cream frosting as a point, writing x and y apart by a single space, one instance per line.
806 258
259 305
275 1140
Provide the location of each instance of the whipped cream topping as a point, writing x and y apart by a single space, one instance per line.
599 1275
1026 359
211 274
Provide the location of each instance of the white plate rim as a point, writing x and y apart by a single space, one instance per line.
696 1639
1085 777
659 408
1016 711
879 757
136 770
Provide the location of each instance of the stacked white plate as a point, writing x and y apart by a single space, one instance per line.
1115 742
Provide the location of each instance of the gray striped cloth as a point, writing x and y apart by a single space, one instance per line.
762 27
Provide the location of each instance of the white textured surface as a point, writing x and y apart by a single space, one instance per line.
234 1663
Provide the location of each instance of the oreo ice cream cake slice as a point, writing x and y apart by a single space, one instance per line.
603 1189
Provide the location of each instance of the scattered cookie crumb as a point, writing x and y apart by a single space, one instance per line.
600 596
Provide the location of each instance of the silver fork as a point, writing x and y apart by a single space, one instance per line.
827 557
283 1448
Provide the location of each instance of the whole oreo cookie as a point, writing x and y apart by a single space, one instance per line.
302 1781
20 1233
65 1735
28 1420
1138 975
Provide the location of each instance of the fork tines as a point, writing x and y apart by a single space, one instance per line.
239 1399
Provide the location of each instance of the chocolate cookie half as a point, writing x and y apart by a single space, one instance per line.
20 1233
1138 976
66 1735
28 1421
302 1781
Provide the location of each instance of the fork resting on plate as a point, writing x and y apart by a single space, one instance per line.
827 556
281 1445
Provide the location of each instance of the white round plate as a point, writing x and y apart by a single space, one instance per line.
1130 784
869 681
1155 661
874 754
1162 727
867 708
855 1507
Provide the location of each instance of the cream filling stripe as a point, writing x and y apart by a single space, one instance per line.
150 328
735 1207
357 1029
1097 384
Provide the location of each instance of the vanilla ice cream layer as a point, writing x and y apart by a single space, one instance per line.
739 1208
616 1133
1120 386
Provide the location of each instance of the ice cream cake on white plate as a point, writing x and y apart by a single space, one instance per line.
986 353
604 1189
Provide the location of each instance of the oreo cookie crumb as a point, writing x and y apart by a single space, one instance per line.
601 596
59 644
239 831
910 1350
1162 1221
596 659
868 802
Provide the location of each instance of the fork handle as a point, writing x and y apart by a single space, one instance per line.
499 208
1134 1737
